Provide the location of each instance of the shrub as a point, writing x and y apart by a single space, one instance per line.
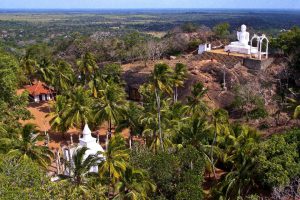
258 113
277 162
178 175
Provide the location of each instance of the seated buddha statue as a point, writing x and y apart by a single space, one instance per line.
242 45
243 37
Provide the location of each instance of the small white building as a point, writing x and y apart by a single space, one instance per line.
39 91
204 47
88 141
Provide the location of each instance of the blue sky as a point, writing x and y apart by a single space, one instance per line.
69 4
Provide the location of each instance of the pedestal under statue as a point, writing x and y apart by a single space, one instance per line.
242 45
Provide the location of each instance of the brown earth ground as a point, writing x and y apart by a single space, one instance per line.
57 140
210 73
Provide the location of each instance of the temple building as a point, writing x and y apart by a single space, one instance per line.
88 141
39 91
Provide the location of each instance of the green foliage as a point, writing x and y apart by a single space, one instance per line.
192 165
87 65
64 76
235 153
222 30
293 137
276 162
249 102
194 44
258 113
289 42
110 106
238 182
189 27
111 73
135 184
22 180
197 104
116 159
13 106
41 53
297 112
161 78
176 174
82 165
22 145
252 197
196 131
68 190
78 109
131 119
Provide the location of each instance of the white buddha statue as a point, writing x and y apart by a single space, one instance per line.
243 37
242 45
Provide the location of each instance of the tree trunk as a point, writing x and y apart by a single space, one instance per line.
109 184
159 119
212 152
110 128
71 139
106 141
108 133
174 95
130 142
176 90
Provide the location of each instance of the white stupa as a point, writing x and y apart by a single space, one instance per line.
89 142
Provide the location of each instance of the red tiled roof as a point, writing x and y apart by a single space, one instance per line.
38 88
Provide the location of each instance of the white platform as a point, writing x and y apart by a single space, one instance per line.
241 49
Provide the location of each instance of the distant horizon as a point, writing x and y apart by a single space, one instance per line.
149 9
149 4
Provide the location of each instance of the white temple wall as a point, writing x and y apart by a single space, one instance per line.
36 99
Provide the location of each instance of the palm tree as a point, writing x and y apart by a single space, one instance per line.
87 65
46 70
57 114
78 109
81 179
110 105
116 159
176 116
240 181
197 132
134 185
237 142
29 67
80 166
179 77
197 105
131 120
221 126
97 84
150 121
23 146
64 76
161 79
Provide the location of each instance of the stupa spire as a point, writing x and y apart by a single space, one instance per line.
86 131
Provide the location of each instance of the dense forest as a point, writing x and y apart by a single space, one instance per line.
179 147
